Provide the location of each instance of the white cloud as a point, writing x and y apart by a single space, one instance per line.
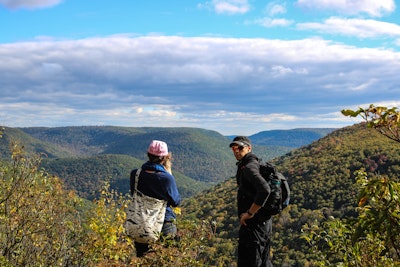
280 71
156 111
375 8
231 6
29 4
353 27
364 86
275 9
270 22
388 104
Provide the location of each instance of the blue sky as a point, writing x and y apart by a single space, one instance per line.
233 66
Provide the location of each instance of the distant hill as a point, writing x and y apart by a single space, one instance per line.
275 143
293 138
31 144
322 180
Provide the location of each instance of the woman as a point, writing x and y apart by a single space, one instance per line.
156 180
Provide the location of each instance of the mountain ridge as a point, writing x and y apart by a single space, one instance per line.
201 157
293 138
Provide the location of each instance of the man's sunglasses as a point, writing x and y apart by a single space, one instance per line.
236 148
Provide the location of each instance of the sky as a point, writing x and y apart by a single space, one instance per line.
238 67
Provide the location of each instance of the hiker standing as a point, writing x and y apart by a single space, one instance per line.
255 225
156 180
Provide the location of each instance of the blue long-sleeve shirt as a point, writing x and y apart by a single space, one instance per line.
155 181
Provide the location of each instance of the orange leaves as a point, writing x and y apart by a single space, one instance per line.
362 201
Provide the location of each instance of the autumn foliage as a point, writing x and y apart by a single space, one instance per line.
42 224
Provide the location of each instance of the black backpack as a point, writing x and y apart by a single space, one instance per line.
280 191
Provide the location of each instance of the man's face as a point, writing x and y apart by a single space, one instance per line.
240 151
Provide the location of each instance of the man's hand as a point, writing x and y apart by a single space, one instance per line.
245 216
249 213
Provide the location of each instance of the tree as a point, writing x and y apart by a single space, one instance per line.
383 119
39 225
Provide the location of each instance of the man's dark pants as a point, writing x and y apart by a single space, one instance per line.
254 244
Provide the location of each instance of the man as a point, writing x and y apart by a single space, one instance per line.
255 224
156 180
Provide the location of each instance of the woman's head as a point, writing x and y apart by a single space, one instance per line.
158 148
158 152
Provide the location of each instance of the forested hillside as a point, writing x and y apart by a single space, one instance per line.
31 144
85 156
195 151
322 179
323 173
86 175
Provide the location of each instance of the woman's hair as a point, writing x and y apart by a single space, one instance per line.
155 159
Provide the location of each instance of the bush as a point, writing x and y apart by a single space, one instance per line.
39 225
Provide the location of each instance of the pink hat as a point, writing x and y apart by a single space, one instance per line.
158 148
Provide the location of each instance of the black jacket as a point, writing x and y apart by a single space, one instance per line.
252 186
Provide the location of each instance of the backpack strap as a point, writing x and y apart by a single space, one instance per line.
137 179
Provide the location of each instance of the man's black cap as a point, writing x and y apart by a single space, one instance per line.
240 141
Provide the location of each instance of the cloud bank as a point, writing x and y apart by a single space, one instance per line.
215 83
